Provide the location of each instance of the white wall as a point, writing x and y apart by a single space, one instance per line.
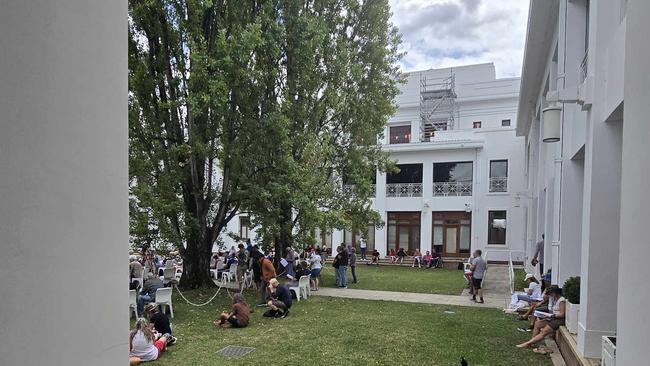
633 332
63 183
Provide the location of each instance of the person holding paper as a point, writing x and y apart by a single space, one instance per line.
548 323
532 294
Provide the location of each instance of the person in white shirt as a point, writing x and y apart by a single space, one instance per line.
315 265
363 246
548 324
532 294
143 345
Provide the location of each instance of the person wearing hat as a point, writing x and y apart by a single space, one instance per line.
532 294
159 320
279 301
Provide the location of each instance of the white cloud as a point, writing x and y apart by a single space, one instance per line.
442 33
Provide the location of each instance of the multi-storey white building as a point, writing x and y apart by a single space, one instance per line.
583 109
461 169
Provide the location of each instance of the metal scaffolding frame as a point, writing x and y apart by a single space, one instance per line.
437 104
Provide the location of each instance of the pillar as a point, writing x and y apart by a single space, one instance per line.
600 235
633 333
63 183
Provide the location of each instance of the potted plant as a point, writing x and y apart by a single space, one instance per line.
571 292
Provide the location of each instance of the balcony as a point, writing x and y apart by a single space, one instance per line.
404 190
352 189
499 184
445 189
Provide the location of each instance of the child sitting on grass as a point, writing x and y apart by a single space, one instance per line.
238 317
143 345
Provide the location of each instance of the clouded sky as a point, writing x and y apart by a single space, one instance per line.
441 33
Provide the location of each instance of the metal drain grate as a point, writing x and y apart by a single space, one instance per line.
235 351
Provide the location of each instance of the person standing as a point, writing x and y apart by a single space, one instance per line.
478 268
290 258
539 256
268 273
343 266
363 246
353 265
316 265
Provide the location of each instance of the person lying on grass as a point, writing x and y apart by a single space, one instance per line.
548 324
238 317
159 321
144 344
279 300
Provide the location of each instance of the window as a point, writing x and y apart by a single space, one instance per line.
476 124
244 226
403 231
505 123
497 227
406 183
498 175
452 179
400 134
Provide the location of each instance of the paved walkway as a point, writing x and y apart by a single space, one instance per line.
497 292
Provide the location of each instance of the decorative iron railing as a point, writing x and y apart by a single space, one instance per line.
404 190
462 188
499 184
352 189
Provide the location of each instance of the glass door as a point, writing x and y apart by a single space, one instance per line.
451 240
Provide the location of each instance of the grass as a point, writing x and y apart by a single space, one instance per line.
332 331
403 279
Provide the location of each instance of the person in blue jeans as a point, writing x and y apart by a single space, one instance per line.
148 293
342 260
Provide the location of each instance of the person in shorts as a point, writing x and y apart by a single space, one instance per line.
315 265
478 268
548 324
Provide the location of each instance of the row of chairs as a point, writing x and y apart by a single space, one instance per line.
163 298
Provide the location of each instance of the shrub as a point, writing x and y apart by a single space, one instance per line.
571 290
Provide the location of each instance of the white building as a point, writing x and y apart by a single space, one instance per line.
587 60
461 168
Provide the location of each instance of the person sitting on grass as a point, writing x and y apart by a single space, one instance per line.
375 258
401 254
392 258
144 345
417 259
159 321
238 317
548 324
316 265
279 300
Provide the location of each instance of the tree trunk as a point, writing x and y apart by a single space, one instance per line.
196 266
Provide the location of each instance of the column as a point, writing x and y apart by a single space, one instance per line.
600 235
571 220
632 332
63 183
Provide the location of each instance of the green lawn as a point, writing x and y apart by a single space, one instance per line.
331 331
404 279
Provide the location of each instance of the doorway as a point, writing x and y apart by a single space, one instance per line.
452 233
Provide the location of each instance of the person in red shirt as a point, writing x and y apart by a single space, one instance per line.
238 317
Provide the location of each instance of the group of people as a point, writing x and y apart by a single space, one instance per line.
428 260
545 316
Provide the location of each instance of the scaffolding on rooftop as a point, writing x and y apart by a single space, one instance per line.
437 104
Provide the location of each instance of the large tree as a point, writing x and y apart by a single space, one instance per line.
199 77
338 82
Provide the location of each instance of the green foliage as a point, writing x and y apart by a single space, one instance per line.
571 290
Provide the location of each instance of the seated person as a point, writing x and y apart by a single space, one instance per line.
435 260
148 293
213 261
548 324
391 256
417 259
401 254
144 345
426 259
278 300
533 292
541 305
239 315
374 258
159 321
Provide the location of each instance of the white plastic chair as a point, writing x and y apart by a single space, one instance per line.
302 290
168 275
231 275
133 303
164 297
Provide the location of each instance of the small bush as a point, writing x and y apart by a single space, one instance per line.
571 290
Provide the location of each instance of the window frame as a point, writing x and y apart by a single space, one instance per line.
406 127
477 123
509 121
489 228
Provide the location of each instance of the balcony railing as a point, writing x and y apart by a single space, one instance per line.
444 189
404 190
499 184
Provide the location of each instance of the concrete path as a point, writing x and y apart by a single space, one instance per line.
497 292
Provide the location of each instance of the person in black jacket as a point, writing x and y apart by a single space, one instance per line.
279 301
342 260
